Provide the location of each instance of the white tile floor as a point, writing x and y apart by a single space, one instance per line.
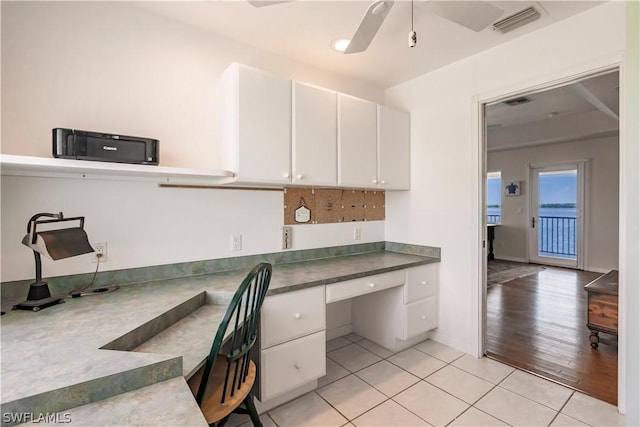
431 384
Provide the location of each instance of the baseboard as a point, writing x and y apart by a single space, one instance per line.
339 331
451 342
512 258
598 269
404 344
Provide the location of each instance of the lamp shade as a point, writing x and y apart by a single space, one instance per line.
59 244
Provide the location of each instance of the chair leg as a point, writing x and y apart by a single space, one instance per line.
253 413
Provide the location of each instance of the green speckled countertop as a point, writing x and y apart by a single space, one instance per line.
80 353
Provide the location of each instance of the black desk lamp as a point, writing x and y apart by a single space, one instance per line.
54 244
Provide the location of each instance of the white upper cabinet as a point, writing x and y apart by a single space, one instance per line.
394 171
276 132
256 125
356 142
314 147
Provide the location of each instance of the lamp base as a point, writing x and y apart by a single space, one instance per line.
37 305
39 297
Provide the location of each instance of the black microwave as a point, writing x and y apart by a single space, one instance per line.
104 147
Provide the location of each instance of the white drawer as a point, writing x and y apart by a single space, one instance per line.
420 316
292 364
291 315
422 282
364 285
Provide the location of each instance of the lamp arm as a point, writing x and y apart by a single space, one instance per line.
40 215
36 255
59 215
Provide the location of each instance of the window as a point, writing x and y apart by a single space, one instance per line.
494 198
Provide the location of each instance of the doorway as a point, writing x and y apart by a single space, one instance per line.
537 321
556 232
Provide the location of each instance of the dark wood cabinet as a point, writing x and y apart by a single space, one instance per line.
602 306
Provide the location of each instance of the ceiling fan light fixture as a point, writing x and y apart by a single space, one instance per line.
340 45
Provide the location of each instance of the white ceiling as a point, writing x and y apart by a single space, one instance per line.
581 110
303 31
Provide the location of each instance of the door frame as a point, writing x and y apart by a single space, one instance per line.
582 213
537 84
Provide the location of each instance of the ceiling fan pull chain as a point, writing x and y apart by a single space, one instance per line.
413 39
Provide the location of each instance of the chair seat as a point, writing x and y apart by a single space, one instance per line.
211 407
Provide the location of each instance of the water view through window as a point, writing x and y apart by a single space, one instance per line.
494 198
557 214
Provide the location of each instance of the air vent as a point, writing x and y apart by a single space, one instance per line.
518 101
516 20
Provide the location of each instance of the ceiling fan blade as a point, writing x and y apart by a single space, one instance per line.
261 3
475 15
371 22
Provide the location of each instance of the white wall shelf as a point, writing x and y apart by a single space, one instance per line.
12 165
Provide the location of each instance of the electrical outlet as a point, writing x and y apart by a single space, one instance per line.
357 233
236 242
287 234
100 252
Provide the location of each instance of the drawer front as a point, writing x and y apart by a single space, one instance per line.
364 285
292 364
291 315
420 316
603 311
422 282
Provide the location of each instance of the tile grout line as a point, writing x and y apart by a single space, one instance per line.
563 406
349 420
387 398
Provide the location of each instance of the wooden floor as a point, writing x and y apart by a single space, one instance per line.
537 323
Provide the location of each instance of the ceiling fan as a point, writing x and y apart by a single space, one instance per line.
475 15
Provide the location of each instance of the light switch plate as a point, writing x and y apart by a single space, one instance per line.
287 234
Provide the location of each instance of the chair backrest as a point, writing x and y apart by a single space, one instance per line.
238 331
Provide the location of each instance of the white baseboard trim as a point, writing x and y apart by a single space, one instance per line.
511 258
339 331
598 269
404 344
451 342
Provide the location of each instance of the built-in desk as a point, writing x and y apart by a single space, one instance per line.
77 359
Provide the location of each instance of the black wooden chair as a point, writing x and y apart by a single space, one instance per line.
226 379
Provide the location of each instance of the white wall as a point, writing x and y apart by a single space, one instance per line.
108 66
112 67
601 185
443 207
146 225
630 220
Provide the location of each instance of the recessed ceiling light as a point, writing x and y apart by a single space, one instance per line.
340 45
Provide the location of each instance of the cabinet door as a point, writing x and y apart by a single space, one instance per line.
292 315
420 316
422 282
314 145
264 127
292 364
356 142
394 162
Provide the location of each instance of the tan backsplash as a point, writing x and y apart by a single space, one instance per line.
332 205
